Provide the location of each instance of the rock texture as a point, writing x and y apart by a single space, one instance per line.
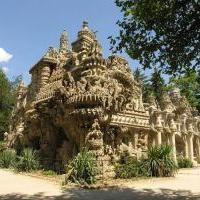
78 98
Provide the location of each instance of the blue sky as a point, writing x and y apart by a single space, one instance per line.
29 27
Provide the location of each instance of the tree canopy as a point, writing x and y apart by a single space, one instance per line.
189 85
5 102
161 33
7 99
153 84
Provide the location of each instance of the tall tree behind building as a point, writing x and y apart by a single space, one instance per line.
6 102
7 99
157 84
144 81
189 85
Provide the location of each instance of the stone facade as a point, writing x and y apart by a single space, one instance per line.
78 98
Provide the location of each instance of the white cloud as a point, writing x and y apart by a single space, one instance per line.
5 69
4 55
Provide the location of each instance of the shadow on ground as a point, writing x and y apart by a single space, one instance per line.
113 193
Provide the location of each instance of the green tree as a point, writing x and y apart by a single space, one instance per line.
5 102
161 33
7 99
189 85
157 84
139 76
144 82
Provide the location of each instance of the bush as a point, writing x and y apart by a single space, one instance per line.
159 161
128 168
184 162
83 168
28 161
2 146
7 158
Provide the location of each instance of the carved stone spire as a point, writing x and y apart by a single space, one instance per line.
86 32
63 41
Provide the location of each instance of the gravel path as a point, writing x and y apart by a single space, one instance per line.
186 185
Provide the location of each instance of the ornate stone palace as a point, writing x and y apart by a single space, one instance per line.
78 98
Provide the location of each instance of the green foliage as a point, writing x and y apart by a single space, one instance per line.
2 146
144 82
184 162
157 84
5 103
82 168
7 99
129 168
154 85
7 158
159 161
160 33
27 161
189 85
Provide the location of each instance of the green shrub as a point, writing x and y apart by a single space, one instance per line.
83 168
159 161
2 146
7 158
128 168
27 161
184 162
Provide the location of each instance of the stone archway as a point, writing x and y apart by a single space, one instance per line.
180 146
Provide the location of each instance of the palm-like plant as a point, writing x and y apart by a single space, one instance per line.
159 161
82 168
28 161
7 158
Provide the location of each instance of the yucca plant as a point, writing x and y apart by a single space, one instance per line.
83 168
159 161
7 158
28 160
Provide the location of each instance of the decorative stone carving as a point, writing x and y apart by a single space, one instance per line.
76 96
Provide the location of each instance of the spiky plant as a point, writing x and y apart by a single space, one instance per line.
28 160
159 161
7 158
83 168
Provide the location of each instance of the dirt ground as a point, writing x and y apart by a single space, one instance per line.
186 185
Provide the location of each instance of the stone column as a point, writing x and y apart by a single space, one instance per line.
154 139
159 137
135 140
198 147
190 147
173 143
159 128
186 147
